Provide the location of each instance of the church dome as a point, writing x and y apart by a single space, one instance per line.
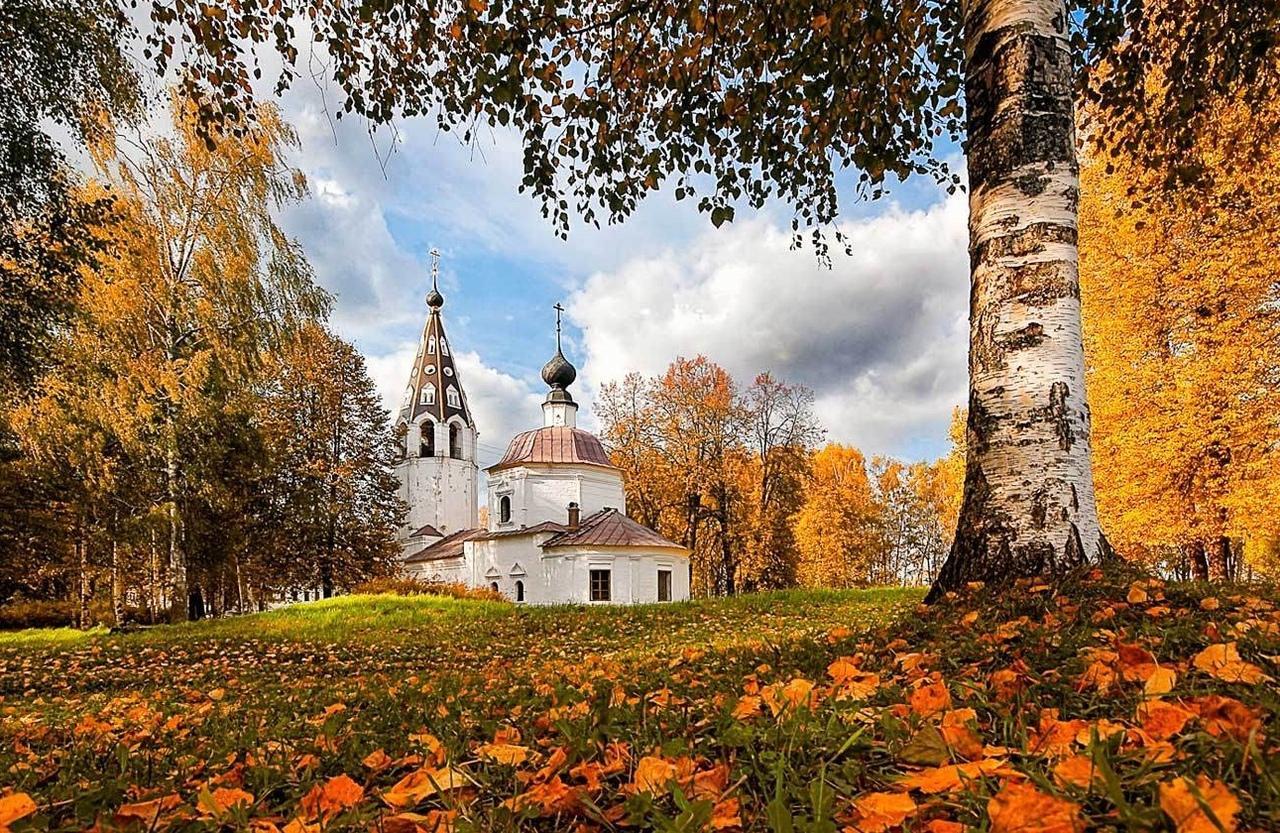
554 444
434 299
559 373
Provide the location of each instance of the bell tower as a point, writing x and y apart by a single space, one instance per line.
437 468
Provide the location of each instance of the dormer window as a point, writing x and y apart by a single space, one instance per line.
428 395
452 396
431 345
444 346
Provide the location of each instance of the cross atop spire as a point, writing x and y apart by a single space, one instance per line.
559 373
434 299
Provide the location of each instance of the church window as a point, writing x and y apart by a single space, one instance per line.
493 585
519 591
600 585
455 440
429 369
448 371
504 509
431 345
664 585
452 395
428 395
444 346
427 439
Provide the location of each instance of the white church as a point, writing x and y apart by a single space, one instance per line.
557 528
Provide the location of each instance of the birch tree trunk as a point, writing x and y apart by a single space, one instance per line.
1028 505
117 581
179 597
82 591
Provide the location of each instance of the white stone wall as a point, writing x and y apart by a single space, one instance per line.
562 576
439 490
543 493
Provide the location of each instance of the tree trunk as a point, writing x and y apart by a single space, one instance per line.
1220 560
1028 505
82 591
179 597
117 583
1198 559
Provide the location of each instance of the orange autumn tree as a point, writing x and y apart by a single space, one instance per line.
714 466
1182 305
838 529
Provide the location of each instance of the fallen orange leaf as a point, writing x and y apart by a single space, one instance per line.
930 699
1206 807
1223 661
1021 808
878 812
14 807
652 775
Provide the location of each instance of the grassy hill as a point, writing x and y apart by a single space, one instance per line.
783 712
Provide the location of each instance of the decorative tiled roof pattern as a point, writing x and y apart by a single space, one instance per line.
545 526
448 547
433 375
610 528
554 444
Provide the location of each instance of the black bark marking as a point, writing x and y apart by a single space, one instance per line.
1061 414
1073 555
1028 336
1040 284
1028 241
1039 507
980 427
1033 185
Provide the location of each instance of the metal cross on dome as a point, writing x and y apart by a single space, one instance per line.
559 309
435 267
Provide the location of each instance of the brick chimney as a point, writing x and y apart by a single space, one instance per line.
575 516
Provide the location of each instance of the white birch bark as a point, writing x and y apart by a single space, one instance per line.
1028 500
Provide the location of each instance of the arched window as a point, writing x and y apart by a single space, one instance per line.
504 509
519 591
444 346
428 394
455 441
431 345
493 585
452 395
427 439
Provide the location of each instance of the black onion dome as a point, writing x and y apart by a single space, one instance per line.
434 299
559 373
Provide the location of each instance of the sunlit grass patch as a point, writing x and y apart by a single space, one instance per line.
798 710
43 637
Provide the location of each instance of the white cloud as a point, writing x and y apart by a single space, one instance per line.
880 337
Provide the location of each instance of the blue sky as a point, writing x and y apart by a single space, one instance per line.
880 336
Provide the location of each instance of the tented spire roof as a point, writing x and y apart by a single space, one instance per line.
434 386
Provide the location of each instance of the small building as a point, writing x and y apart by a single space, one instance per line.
558 532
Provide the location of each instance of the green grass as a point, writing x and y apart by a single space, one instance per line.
278 704
44 637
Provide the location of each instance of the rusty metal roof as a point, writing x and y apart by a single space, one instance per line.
610 528
554 444
448 547
545 526
427 531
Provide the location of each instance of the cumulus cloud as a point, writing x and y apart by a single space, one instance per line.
880 336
